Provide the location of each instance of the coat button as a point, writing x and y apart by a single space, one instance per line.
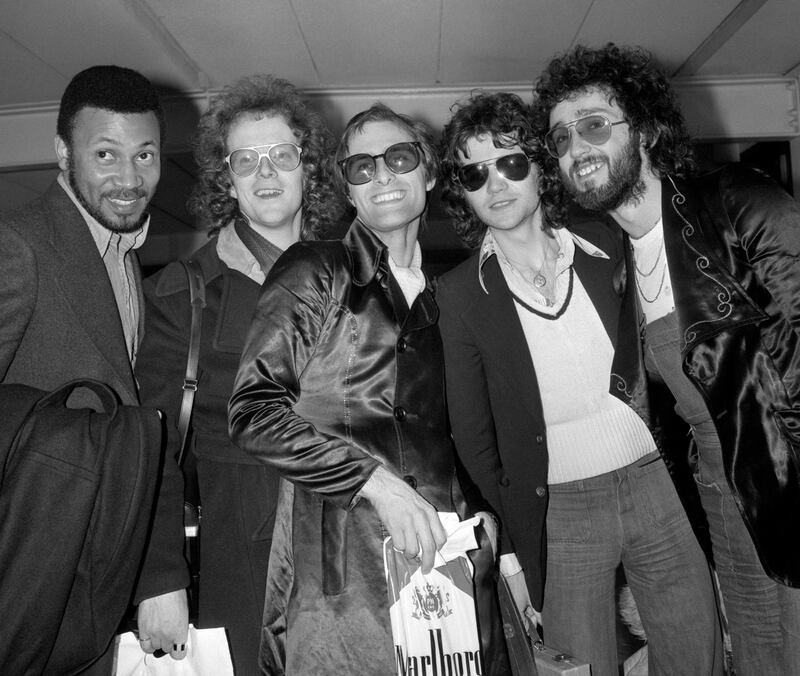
399 413
402 345
504 482
410 480
539 439
541 491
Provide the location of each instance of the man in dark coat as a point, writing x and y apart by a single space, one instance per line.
340 389
70 299
237 493
717 273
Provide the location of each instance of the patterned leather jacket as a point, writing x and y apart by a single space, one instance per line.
733 243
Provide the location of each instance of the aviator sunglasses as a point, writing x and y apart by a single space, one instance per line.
399 158
596 129
284 156
514 167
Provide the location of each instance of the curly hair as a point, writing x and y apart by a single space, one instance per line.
113 88
260 96
380 112
506 118
631 79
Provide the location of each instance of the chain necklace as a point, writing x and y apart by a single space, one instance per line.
655 262
652 300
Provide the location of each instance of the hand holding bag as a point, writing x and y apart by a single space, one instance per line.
433 616
207 654
530 657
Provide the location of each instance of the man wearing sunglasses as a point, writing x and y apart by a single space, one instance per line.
340 389
715 260
545 412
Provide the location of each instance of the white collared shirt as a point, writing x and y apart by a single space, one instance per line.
411 279
232 251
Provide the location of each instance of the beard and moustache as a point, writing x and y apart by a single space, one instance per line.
624 184
122 224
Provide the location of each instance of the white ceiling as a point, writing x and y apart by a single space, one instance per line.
198 44
189 46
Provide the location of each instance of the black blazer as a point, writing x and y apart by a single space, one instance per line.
493 397
73 486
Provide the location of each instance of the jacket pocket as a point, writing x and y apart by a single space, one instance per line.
334 549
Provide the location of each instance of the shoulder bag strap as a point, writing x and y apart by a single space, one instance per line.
197 299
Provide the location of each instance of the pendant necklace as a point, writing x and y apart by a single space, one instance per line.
539 278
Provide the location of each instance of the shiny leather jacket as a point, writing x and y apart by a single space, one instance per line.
732 239
337 375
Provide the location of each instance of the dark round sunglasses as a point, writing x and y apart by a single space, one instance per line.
596 129
514 167
399 158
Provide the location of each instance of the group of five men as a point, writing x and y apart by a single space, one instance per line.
610 283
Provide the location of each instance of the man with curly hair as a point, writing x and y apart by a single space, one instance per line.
547 410
261 153
715 260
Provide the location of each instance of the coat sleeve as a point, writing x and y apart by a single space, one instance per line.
767 221
17 293
160 367
468 405
288 327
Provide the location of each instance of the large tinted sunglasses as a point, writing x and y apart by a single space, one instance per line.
399 158
514 167
596 129
284 156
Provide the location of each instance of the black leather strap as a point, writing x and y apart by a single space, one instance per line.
197 299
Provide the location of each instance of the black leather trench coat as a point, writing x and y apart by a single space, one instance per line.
732 240
337 376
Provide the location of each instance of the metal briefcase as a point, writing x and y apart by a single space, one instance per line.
532 658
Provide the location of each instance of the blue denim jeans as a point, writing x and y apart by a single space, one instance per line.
631 515
763 615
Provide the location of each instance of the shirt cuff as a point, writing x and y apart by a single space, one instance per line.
509 565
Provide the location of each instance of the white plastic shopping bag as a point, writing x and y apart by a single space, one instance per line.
433 616
207 654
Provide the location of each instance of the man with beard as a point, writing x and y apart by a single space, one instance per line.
715 260
70 297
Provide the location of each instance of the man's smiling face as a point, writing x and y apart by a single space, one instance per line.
388 201
603 177
113 165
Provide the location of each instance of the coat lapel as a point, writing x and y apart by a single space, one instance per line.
82 276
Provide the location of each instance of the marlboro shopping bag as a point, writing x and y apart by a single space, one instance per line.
433 616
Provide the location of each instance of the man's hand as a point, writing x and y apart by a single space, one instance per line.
410 519
519 592
164 624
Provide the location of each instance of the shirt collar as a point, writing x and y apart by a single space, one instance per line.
232 251
102 236
568 241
